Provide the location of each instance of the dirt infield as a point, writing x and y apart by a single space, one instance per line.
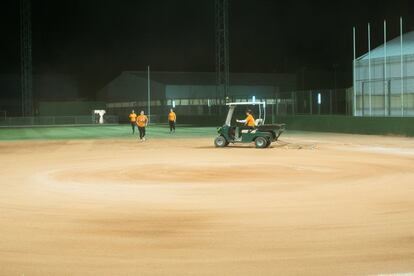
313 204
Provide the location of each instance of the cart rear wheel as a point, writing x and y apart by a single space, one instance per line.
269 142
220 142
260 142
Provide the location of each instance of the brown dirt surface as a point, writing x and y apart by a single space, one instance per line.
312 204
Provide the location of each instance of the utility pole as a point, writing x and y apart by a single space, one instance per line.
26 79
354 70
149 93
402 67
222 47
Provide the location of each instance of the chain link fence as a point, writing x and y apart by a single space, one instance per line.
57 120
208 110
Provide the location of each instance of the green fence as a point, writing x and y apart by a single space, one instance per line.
55 120
195 120
323 123
346 124
320 123
71 108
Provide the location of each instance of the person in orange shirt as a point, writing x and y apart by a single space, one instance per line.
172 118
249 121
142 122
133 120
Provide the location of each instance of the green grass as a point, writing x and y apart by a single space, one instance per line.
100 132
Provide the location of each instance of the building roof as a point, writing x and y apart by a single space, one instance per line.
209 78
195 84
393 47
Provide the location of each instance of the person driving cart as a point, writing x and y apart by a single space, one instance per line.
249 121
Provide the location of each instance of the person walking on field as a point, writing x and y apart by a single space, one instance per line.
133 120
142 122
172 118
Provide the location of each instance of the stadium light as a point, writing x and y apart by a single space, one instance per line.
173 103
254 99
319 98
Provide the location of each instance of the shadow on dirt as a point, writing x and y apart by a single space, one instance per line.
277 145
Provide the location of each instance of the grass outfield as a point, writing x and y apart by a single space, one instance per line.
100 132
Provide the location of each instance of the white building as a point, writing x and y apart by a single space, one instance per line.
384 79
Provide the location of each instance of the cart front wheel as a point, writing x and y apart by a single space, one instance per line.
220 142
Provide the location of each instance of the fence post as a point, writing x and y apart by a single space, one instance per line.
310 103
277 106
330 102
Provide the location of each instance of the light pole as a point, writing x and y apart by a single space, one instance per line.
149 94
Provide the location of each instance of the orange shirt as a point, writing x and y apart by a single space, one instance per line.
132 117
250 121
172 116
142 120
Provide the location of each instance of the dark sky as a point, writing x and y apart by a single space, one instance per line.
96 40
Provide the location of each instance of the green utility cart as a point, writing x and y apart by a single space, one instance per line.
262 135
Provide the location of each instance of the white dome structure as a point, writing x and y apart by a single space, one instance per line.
384 79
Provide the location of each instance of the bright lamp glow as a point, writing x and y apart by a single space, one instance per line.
254 99
319 98
173 103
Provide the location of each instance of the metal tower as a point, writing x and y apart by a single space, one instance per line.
222 47
26 58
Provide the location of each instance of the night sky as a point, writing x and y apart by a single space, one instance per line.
97 40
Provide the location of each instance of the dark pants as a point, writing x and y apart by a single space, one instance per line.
133 124
141 132
172 125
